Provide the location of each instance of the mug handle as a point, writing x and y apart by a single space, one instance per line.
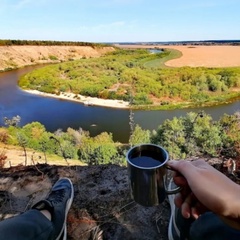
172 191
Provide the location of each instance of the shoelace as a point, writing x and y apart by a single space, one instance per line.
56 196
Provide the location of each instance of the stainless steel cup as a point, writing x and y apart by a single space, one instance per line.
147 174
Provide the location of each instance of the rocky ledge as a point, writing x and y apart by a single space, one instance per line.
102 206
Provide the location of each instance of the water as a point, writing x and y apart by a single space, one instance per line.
55 114
155 50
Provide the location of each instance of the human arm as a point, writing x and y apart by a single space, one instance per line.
206 189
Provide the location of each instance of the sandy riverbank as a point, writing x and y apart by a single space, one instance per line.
88 101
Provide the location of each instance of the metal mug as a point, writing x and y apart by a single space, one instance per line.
147 172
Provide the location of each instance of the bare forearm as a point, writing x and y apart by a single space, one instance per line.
232 213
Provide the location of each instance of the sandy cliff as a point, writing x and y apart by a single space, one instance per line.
18 56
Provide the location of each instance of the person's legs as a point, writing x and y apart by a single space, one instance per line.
35 223
210 226
29 225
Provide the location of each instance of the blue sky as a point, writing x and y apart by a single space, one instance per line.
119 20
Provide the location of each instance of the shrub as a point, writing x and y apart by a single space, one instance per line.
53 58
4 135
3 158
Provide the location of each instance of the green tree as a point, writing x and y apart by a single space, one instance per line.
98 150
195 134
139 136
171 135
207 135
231 135
34 131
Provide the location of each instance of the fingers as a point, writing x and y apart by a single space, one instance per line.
190 206
178 200
180 181
187 168
197 210
186 206
182 167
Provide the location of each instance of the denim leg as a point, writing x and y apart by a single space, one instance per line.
209 226
31 225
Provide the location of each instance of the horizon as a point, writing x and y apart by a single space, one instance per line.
136 42
120 20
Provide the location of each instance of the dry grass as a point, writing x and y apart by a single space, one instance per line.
201 56
207 56
15 156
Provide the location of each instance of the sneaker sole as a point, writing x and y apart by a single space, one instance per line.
172 224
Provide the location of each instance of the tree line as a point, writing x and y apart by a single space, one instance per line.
195 134
9 42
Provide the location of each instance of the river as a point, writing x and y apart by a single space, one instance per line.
55 113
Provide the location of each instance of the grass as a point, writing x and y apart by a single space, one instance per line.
160 62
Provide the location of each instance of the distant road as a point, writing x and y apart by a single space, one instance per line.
200 56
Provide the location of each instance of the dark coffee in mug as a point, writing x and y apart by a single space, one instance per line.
145 161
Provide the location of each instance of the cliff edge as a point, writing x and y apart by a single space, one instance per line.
12 57
102 206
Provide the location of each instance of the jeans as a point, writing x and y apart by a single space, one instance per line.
31 225
210 227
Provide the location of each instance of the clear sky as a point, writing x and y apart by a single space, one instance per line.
120 20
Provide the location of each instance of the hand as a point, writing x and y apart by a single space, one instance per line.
205 189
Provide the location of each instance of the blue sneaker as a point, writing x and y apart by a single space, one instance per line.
58 203
173 231
178 228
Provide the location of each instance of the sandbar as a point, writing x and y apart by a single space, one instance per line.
87 101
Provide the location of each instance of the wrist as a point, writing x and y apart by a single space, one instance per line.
232 214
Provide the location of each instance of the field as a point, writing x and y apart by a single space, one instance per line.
201 56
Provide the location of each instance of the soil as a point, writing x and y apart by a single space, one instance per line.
102 206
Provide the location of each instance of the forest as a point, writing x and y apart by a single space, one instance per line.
195 134
140 77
